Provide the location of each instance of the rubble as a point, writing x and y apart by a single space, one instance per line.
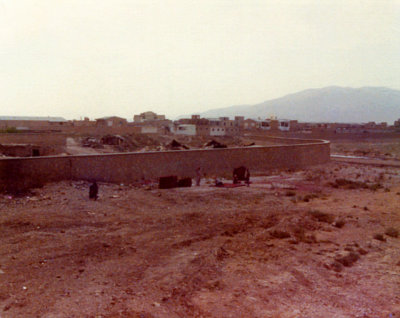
214 144
175 145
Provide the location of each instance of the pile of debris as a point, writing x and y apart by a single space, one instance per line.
112 140
92 143
120 143
214 144
175 145
145 142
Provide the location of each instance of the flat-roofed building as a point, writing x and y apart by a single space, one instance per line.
147 116
86 122
221 126
250 124
111 121
26 123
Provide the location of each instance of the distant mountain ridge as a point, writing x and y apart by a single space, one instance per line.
328 104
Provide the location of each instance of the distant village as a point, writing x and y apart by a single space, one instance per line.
148 131
152 123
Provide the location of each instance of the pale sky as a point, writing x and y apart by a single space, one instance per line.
95 58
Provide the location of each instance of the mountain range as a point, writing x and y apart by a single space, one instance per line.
328 104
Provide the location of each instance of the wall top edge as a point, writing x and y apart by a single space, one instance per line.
120 154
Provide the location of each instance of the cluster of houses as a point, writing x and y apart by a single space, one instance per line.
152 123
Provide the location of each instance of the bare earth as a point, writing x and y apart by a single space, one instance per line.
290 245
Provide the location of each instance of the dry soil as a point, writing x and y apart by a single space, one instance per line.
293 244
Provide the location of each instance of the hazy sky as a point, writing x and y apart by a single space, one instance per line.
96 58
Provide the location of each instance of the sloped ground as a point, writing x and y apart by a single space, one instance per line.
293 244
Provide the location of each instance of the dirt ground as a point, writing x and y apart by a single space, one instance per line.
308 243
385 148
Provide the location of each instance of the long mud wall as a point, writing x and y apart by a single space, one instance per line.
43 139
47 143
23 173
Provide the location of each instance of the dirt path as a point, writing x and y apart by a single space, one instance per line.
290 245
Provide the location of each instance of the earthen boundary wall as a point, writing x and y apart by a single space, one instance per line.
17 174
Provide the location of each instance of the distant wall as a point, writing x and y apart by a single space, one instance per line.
48 143
326 135
34 138
102 130
23 173
32 124
18 150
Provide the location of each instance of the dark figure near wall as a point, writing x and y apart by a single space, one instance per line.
93 190
247 177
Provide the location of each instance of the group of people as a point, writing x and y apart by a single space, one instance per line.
239 174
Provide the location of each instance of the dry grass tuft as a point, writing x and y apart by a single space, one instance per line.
349 259
392 232
300 236
362 251
279 234
309 197
379 237
352 185
340 223
322 216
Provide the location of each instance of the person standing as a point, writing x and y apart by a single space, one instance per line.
93 191
247 177
198 176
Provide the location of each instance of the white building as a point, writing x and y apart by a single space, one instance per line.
149 130
217 131
265 125
218 126
186 129
284 125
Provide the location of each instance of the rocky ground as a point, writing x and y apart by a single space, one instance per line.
322 242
